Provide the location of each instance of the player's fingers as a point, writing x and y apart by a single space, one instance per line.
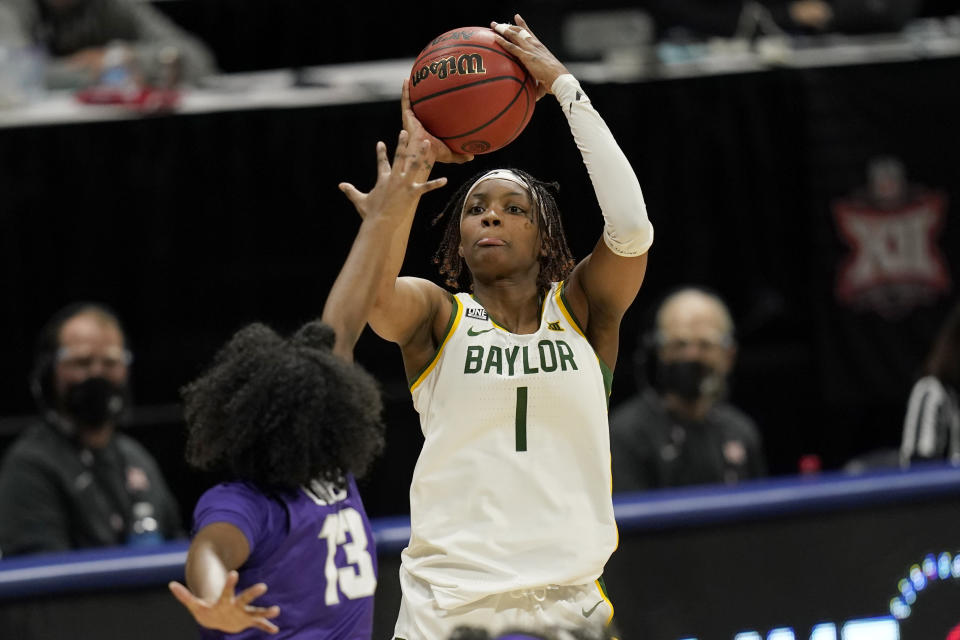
509 46
182 594
271 612
423 158
401 158
264 612
413 159
250 594
383 162
354 195
405 94
460 158
406 111
229 585
515 33
265 625
430 185
523 25
403 139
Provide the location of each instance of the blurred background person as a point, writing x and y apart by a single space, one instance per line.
931 427
743 18
679 429
84 39
70 480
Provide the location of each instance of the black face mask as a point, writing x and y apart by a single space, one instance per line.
689 379
94 402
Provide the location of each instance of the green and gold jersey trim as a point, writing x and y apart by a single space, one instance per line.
607 378
455 314
572 319
543 306
565 308
603 594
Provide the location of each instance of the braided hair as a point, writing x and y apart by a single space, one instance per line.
280 412
556 261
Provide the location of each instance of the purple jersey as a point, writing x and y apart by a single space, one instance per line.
313 548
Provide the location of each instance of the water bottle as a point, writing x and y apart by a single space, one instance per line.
145 530
118 73
21 75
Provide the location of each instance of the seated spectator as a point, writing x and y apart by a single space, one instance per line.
931 427
71 481
680 430
84 37
842 16
744 18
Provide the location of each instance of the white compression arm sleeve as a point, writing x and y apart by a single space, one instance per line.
627 230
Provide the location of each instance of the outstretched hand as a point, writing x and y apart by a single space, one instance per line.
397 189
520 41
231 613
415 128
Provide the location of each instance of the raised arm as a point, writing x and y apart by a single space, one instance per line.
387 213
606 282
411 312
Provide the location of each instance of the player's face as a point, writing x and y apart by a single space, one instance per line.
498 228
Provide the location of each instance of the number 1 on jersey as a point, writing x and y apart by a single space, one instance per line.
521 422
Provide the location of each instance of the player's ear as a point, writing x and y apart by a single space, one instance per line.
460 249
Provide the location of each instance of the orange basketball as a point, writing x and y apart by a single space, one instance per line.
469 92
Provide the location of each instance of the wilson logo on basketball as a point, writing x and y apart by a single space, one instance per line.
464 64
469 92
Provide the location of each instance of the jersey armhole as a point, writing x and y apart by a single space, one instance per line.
455 313
572 319
565 308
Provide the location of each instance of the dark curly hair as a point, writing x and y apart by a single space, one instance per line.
554 266
280 412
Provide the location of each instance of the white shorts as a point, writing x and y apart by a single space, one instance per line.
554 607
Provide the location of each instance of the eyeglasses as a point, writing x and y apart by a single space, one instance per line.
703 344
112 360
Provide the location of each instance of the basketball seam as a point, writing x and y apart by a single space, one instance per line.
464 86
523 120
496 117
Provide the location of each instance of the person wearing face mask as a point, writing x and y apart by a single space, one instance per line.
680 430
71 480
86 42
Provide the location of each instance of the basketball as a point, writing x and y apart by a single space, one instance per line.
470 93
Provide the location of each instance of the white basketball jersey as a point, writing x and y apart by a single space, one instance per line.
512 489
